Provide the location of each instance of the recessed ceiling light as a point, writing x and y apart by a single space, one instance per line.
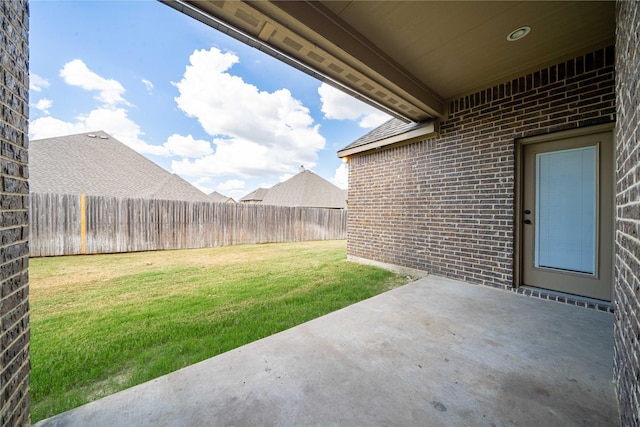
518 33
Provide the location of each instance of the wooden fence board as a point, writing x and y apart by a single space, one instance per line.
130 225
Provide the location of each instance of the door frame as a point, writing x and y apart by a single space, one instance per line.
519 190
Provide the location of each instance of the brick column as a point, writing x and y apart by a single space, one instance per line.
627 265
14 230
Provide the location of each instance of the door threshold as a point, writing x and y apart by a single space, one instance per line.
561 297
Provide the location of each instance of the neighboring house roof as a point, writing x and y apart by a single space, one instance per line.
255 196
306 189
390 132
97 164
216 197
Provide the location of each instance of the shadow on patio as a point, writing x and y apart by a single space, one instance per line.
435 352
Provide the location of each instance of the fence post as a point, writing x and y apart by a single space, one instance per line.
83 225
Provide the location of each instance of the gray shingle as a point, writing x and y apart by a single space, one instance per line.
255 196
95 163
388 129
306 189
216 197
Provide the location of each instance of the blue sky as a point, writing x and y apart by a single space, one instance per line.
222 115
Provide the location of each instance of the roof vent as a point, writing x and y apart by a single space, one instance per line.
91 135
104 137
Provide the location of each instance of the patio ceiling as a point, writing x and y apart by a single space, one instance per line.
409 58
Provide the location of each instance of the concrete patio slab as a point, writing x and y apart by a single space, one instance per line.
435 352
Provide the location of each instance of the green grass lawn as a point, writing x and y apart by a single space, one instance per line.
103 323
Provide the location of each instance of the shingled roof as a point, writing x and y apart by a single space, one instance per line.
97 164
255 196
216 197
390 132
306 189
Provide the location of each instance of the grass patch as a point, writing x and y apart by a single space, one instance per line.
103 323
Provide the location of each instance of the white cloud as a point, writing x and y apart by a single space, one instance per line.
286 176
109 117
257 133
148 85
373 120
234 188
341 106
232 184
341 177
204 184
233 157
186 146
76 73
48 127
113 121
37 83
43 105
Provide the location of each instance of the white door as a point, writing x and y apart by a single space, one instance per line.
568 215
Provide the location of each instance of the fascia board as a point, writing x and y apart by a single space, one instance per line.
429 130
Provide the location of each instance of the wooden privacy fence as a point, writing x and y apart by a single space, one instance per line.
70 225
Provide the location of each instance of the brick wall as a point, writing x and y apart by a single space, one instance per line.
627 264
14 305
446 205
